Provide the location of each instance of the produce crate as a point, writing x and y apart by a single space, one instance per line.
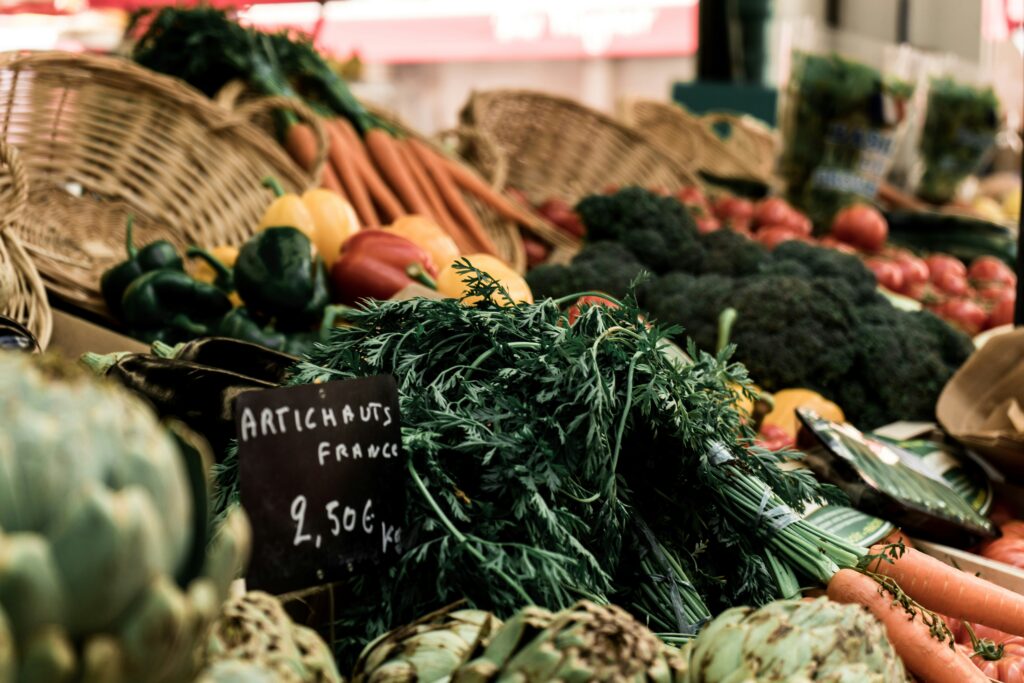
22 294
102 138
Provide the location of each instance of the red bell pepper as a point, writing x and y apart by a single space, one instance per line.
376 264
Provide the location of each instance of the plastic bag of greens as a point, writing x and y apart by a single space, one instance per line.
959 131
841 119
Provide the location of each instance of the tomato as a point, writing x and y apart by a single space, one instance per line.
951 283
706 224
888 273
830 242
996 291
798 222
940 264
991 269
735 208
772 236
915 270
774 438
692 196
536 251
771 211
576 309
862 226
561 213
1007 669
1001 313
965 314
1014 527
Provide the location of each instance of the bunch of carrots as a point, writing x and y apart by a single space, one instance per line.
385 177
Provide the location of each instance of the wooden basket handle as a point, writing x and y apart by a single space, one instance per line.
464 133
10 158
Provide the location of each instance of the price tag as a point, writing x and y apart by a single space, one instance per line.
322 479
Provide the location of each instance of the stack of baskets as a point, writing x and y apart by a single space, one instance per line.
101 139
22 295
747 151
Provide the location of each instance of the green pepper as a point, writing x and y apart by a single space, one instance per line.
170 299
238 324
277 276
153 256
301 343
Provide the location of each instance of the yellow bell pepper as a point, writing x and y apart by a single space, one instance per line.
200 270
449 282
428 236
287 210
334 221
783 415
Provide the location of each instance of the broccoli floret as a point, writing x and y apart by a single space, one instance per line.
822 262
730 253
658 230
691 302
601 266
903 360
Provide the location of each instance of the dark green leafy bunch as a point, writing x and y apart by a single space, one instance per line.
550 462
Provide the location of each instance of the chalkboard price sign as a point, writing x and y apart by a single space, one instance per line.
321 473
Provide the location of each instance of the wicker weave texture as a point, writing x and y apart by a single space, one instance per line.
22 295
556 147
102 138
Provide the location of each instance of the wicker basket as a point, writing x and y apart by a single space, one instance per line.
102 138
556 147
22 295
505 234
748 152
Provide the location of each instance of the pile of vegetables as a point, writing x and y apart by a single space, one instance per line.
383 175
109 567
549 460
807 316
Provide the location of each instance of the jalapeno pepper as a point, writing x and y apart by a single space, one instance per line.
153 256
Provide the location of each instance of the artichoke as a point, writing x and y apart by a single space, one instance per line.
103 576
794 641
586 642
254 640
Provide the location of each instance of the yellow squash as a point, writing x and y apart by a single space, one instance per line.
429 236
449 282
334 221
287 210
783 415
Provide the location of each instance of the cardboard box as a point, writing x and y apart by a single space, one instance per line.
73 336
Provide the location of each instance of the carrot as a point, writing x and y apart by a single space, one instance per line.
384 152
475 238
947 590
329 181
300 143
929 659
390 208
473 184
341 158
427 187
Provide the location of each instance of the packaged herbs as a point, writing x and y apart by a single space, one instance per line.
838 127
959 129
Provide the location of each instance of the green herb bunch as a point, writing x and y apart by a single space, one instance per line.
550 462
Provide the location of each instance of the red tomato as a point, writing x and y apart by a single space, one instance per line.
965 314
692 196
706 224
950 283
771 211
862 226
561 213
915 270
734 208
1014 527
772 236
576 309
831 242
939 264
996 291
1002 313
888 273
1008 550
798 222
774 438
991 269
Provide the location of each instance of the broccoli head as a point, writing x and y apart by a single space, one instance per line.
600 266
693 302
903 360
730 253
658 230
829 263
